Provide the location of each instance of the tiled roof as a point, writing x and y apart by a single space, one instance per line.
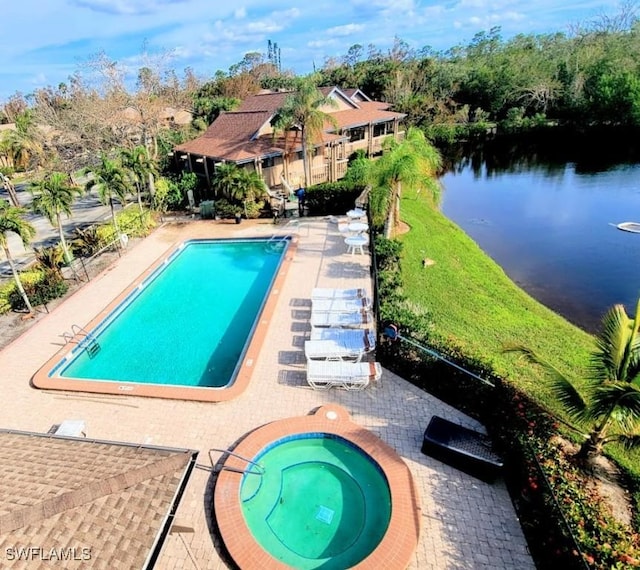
229 137
63 495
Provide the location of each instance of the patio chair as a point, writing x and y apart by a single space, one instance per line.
322 374
355 319
350 337
340 305
331 293
338 348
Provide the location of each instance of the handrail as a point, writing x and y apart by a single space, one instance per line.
248 471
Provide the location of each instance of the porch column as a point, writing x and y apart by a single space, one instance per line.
369 139
206 172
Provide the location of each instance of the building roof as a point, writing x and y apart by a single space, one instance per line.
63 495
233 135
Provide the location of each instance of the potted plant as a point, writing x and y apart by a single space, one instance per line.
238 215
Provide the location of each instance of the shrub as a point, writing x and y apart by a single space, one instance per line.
332 197
254 209
50 258
135 223
225 209
40 286
87 241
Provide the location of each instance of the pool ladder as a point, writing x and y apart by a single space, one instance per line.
277 242
260 469
83 338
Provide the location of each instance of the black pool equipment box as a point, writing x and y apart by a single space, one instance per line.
462 448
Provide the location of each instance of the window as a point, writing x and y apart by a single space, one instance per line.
356 134
382 129
268 162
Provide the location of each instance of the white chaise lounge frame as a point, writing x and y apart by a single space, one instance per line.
322 374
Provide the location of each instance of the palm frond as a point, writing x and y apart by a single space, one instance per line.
614 346
627 441
618 403
564 390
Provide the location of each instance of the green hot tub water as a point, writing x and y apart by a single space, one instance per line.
318 502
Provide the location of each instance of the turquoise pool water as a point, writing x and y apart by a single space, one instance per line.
188 323
317 502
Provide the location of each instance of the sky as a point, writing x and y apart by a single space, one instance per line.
43 42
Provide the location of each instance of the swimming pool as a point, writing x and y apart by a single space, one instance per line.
183 328
319 502
316 491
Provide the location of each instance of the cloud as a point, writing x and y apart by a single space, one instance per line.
387 8
240 13
315 44
345 30
126 7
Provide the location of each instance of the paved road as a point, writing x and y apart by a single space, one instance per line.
86 210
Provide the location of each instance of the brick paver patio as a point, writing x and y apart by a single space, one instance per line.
466 523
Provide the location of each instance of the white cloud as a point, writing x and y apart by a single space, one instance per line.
315 44
126 7
346 30
240 13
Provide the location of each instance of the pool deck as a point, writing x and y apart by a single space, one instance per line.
466 523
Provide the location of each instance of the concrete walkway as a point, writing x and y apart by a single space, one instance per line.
466 523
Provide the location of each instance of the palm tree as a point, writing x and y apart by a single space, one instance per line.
141 168
11 220
610 400
52 197
110 180
238 184
303 110
413 162
226 179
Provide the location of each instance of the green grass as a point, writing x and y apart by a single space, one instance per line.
475 306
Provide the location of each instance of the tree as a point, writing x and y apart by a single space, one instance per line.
609 403
302 110
11 220
141 169
110 180
52 197
238 184
413 162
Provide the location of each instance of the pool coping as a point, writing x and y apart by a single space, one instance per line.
399 543
42 380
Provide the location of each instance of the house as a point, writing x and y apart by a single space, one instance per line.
246 137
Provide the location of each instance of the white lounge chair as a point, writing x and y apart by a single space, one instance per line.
345 320
340 345
331 293
350 337
340 305
342 320
332 350
322 374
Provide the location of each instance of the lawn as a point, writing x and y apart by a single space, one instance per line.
473 304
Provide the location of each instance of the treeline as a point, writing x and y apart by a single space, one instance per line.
590 77
584 78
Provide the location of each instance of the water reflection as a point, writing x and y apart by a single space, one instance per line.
545 212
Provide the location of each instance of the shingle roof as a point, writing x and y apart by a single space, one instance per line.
368 112
229 137
63 495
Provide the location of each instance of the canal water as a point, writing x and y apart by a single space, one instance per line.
550 222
